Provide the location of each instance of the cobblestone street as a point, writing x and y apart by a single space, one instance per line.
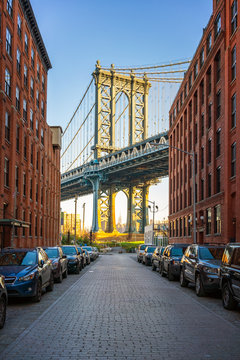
120 309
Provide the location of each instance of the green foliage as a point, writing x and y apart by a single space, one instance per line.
130 246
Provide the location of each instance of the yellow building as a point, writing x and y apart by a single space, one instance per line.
68 224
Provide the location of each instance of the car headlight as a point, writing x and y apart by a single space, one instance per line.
210 270
27 277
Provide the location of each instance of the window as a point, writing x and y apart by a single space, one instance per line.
190 81
202 157
42 165
196 133
234 16
234 63
236 260
37 163
24 219
185 91
25 75
209 185
189 225
209 80
25 110
201 58
42 108
195 70
24 184
8 42
19 26
7 126
6 172
209 42
218 66
209 150
31 119
209 116
43 83
218 179
218 104
36 226
202 189
32 58
36 192
202 91
26 43
16 178
233 159
38 71
31 189
7 83
25 147
218 142
37 98
202 125
217 25
17 138
18 61
41 196
9 7
195 102
233 104
30 224
42 136
41 227
37 131
181 98
217 219
209 219
17 98
32 88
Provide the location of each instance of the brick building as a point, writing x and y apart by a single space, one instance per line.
204 119
30 149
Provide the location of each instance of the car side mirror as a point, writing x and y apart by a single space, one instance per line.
41 263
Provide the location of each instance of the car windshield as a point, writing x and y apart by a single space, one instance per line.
210 253
88 248
20 258
177 251
69 250
150 249
80 250
52 253
143 247
162 250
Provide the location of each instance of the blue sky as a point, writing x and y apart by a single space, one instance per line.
129 32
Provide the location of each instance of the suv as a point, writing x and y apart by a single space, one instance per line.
27 272
147 255
3 301
74 258
140 251
171 258
59 262
230 276
156 257
200 265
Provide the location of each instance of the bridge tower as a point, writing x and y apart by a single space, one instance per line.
109 86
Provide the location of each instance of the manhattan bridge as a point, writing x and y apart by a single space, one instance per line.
117 140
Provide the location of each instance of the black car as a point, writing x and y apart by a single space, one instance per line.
27 272
230 276
74 258
59 262
200 265
156 257
171 259
3 301
147 255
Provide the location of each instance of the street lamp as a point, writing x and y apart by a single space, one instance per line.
192 154
154 210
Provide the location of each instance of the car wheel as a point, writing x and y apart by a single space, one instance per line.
199 286
170 275
153 267
3 309
183 281
78 269
228 300
65 274
60 278
38 295
51 283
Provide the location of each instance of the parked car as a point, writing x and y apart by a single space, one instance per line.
88 260
27 272
59 262
230 276
3 301
90 251
140 251
156 257
84 261
170 261
147 255
96 251
74 258
200 265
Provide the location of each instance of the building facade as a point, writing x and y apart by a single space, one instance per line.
68 224
30 149
204 120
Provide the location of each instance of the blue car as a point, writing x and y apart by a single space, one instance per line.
27 272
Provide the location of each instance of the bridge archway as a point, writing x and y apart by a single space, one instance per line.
122 120
121 211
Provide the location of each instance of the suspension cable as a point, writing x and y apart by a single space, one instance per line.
148 67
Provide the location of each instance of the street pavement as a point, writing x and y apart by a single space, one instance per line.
120 309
